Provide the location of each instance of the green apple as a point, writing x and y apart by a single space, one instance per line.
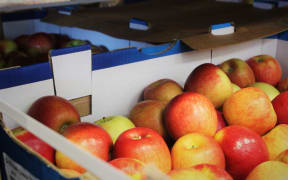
270 90
235 87
115 125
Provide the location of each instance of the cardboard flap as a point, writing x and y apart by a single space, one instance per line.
178 19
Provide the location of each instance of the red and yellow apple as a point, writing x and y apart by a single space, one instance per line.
276 140
213 172
250 107
190 112
280 105
149 114
238 71
55 112
243 148
266 69
36 144
145 145
132 167
209 80
195 148
269 170
89 137
115 125
162 89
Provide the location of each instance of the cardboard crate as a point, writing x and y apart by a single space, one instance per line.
111 84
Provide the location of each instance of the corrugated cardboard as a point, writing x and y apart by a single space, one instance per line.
186 20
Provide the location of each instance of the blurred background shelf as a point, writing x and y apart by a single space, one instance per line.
18 5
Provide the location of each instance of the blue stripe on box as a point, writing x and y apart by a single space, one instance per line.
24 75
131 55
25 15
138 21
219 26
58 52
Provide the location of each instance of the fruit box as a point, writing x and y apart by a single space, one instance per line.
107 84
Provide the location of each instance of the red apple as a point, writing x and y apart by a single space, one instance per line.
221 121
35 143
145 145
243 148
238 71
209 80
162 89
280 104
55 112
22 41
269 170
252 108
132 167
276 140
266 69
282 85
283 157
7 46
89 137
39 43
148 113
190 112
195 148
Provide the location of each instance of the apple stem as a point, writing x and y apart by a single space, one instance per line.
62 128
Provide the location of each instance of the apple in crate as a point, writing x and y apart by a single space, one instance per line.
190 112
200 172
282 85
270 90
55 112
149 114
238 71
195 148
209 80
250 107
276 140
283 157
132 167
280 104
89 137
162 89
35 143
145 145
115 125
39 43
7 46
269 170
266 69
243 149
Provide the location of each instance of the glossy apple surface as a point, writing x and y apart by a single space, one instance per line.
190 112
55 112
270 90
149 114
276 140
89 137
280 105
35 143
115 125
145 145
195 148
269 170
209 80
266 69
238 71
250 107
162 89
132 167
243 148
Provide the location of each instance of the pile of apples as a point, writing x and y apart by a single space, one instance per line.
32 49
229 121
